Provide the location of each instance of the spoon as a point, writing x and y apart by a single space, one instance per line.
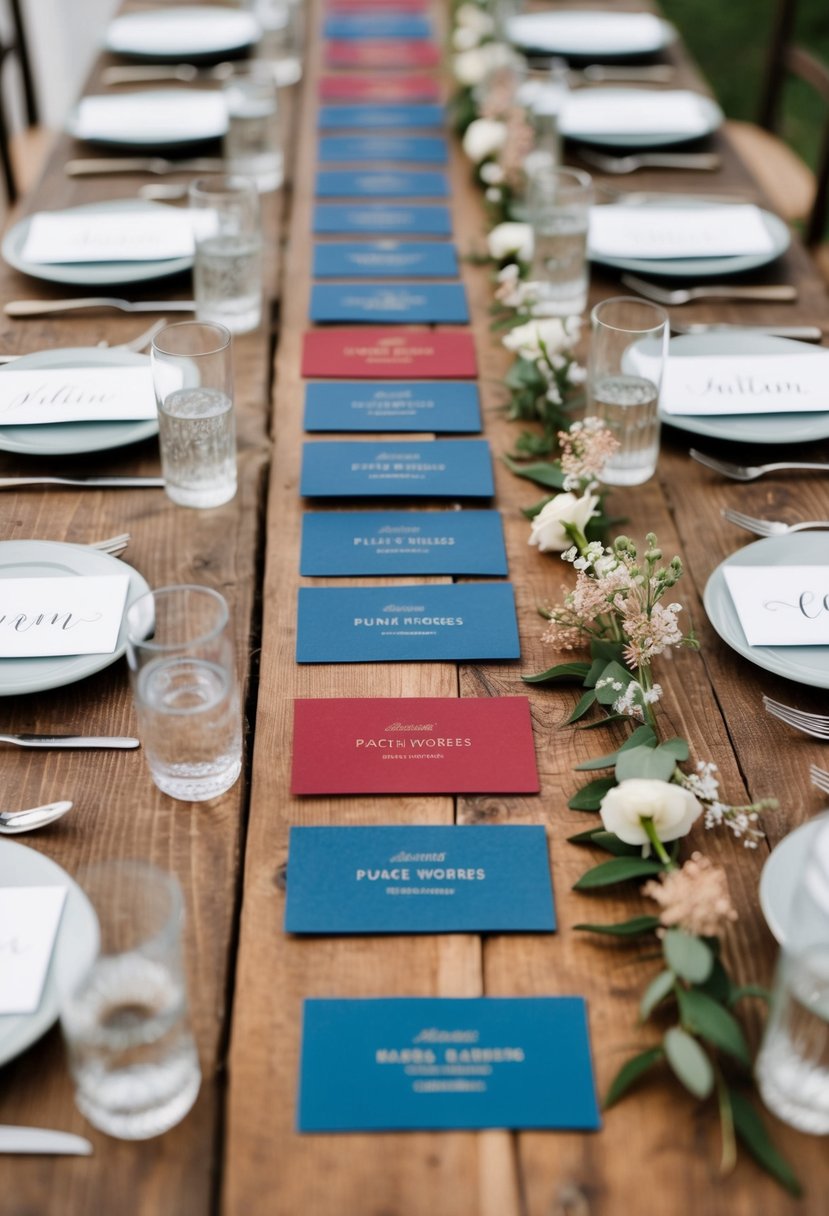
12 822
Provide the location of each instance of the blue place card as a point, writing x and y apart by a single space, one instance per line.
412 26
381 117
422 405
433 468
434 1063
413 149
399 219
419 880
409 623
389 303
389 183
385 259
347 543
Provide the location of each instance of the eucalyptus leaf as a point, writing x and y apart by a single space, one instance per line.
542 472
589 797
581 707
689 1062
687 956
603 721
608 841
634 927
656 991
602 648
630 1072
531 512
561 671
596 669
750 1130
618 869
614 674
677 747
701 1014
648 762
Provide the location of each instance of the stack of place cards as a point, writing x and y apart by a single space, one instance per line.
385 260
621 231
418 745
76 394
437 468
430 406
440 1063
382 353
42 617
29 919
781 605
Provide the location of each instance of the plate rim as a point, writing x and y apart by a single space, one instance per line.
712 114
32 1026
668 35
141 16
769 878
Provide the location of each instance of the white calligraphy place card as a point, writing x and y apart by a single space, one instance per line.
781 605
152 117
61 616
77 394
632 112
29 919
125 235
620 231
742 384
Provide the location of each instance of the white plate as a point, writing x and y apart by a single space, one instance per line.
53 559
702 268
76 943
781 874
92 274
706 117
748 428
804 664
197 32
150 118
67 438
588 34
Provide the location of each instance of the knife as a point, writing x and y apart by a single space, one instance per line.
39 308
42 1140
7 483
805 333
143 164
69 740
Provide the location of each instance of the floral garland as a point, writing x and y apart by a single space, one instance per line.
617 610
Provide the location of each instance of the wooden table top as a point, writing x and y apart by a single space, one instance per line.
237 1152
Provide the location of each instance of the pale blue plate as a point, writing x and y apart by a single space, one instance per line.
709 118
804 664
193 32
782 873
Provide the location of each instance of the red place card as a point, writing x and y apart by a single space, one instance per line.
379 53
367 353
414 745
379 88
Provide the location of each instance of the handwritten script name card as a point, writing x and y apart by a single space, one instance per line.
61 616
29 919
782 605
78 394
120 236
677 232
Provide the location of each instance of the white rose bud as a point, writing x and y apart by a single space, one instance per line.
547 529
672 810
483 138
511 240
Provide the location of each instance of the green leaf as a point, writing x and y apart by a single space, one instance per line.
582 705
687 956
677 747
542 472
561 671
589 797
689 1062
614 673
596 669
649 762
629 1074
750 1130
531 512
737 994
656 991
701 1014
718 985
619 869
626 928
607 841
602 721
600 648
642 735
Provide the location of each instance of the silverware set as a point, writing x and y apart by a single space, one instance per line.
39 308
750 472
820 778
816 725
778 292
84 483
705 162
802 333
157 165
770 527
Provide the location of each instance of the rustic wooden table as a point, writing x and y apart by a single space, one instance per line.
238 1152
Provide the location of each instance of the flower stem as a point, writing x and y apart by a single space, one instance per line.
658 846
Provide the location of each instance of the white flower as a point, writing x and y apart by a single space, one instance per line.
471 17
491 174
547 529
484 137
470 67
510 240
672 810
552 333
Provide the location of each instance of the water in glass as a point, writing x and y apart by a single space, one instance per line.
560 261
227 278
628 406
793 1064
252 142
198 446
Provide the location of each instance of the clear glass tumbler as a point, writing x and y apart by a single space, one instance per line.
124 1012
193 381
628 350
227 270
253 142
558 208
182 670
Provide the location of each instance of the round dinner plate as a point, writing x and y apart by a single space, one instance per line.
54 559
707 119
92 274
782 872
75 943
702 268
197 32
591 34
150 119
804 664
747 428
68 438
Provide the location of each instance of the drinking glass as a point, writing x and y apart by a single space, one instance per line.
227 271
253 142
544 93
124 1011
628 349
193 381
180 656
558 208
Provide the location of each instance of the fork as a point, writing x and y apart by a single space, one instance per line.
769 527
749 472
816 725
684 295
37 308
650 160
113 545
820 778
135 344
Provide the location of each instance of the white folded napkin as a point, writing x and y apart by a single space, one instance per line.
152 116
194 33
588 33
634 112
